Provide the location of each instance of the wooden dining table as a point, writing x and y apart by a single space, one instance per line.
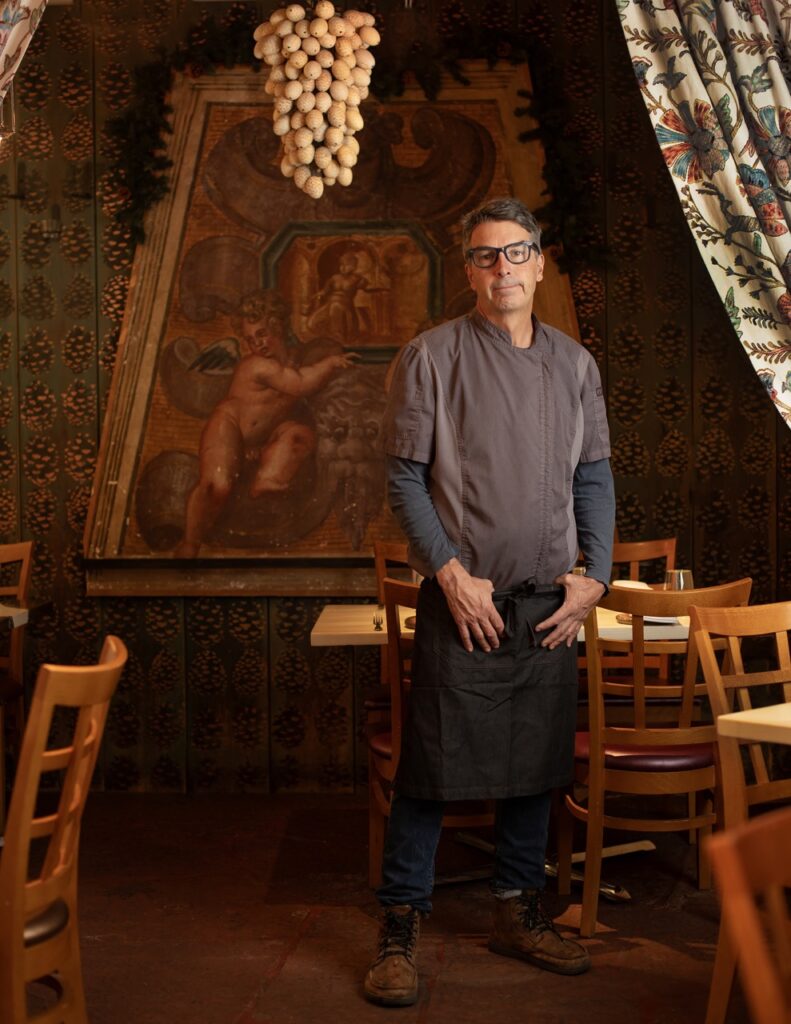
770 724
352 625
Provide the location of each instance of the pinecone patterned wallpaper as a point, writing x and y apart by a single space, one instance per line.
228 694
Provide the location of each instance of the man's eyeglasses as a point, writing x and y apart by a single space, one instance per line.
485 256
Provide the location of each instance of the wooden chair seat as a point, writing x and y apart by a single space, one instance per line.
686 757
46 925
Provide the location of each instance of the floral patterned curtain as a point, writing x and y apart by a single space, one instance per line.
18 21
714 75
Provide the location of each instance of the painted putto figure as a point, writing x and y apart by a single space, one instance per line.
259 418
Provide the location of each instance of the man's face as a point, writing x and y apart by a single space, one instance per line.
505 287
264 332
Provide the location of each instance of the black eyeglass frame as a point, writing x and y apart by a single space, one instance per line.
497 249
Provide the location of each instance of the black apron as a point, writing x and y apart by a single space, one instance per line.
488 726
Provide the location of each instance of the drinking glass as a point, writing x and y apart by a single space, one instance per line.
679 579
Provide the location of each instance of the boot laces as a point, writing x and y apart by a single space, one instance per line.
398 935
532 915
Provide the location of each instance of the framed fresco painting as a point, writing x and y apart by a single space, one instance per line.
240 451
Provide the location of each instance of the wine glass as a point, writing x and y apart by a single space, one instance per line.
679 579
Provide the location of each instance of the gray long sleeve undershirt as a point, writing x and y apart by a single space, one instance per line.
594 511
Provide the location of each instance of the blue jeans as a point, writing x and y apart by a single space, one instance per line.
520 835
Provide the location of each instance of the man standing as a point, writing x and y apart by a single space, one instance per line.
498 472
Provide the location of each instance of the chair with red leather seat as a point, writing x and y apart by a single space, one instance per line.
638 757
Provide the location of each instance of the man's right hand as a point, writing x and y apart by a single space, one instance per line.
470 601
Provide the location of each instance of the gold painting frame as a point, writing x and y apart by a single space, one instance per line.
130 544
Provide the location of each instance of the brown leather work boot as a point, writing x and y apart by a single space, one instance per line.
392 977
521 928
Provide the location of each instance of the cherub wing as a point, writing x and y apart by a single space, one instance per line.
220 355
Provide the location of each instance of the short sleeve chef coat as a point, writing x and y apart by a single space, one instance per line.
503 429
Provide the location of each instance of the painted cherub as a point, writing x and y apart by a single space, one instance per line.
258 418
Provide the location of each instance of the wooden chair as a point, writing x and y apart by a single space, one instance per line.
633 554
38 886
384 745
637 556
730 687
638 757
16 563
753 871
388 554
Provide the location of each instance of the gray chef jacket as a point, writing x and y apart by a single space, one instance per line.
503 429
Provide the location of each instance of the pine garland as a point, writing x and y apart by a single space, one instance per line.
140 132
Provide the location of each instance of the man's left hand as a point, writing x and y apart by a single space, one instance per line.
582 594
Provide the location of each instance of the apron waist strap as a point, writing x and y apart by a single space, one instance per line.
512 596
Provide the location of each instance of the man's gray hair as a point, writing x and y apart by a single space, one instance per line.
501 208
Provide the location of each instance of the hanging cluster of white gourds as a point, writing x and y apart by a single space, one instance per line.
320 70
